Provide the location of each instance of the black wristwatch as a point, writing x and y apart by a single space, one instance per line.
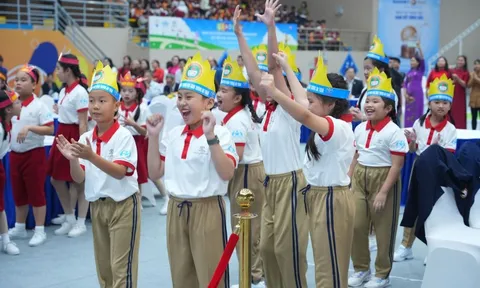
213 141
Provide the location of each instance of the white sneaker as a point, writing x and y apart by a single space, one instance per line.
372 243
358 278
403 253
17 233
77 230
59 220
11 248
377 283
38 238
163 210
64 229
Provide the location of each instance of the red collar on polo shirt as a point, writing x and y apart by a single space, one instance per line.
439 127
107 135
271 106
197 132
231 113
129 109
69 89
27 101
347 118
380 125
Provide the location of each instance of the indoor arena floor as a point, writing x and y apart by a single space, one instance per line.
69 263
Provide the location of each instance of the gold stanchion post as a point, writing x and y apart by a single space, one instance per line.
245 198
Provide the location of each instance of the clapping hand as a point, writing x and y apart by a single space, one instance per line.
271 8
154 125
65 148
411 135
127 121
208 124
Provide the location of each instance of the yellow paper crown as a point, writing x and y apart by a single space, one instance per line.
260 53
233 75
319 84
283 47
198 77
104 79
441 89
378 84
376 51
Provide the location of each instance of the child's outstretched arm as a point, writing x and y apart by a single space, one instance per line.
316 123
268 17
298 91
254 74
155 161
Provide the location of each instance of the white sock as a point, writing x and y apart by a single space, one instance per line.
70 218
81 221
5 238
40 229
19 226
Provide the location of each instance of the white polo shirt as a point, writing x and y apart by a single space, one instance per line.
426 134
259 107
130 113
115 145
280 142
375 145
33 113
4 144
72 100
244 133
219 115
189 169
336 150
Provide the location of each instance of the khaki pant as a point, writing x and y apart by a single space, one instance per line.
196 238
366 183
408 237
284 232
116 240
249 176
331 212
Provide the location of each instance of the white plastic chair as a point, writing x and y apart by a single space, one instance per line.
454 249
48 101
474 219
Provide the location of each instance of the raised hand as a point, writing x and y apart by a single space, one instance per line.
268 83
65 147
208 124
411 135
237 27
154 125
271 8
282 60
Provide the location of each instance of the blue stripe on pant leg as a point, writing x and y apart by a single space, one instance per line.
224 239
132 242
245 177
329 233
296 267
332 221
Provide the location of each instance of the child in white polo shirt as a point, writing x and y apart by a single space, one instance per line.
105 158
381 148
329 152
198 159
28 162
432 128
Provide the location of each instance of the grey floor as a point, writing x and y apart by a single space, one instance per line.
69 263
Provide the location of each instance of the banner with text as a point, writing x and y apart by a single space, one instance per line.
179 33
401 23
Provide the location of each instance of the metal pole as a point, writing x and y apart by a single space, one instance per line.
55 5
18 14
28 13
460 47
245 198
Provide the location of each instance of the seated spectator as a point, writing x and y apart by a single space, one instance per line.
49 87
170 85
158 73
355 86
127 61
154 89
178 73
109 62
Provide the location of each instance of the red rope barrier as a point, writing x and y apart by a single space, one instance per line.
223 263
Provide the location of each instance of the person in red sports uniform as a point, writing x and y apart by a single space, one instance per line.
460 76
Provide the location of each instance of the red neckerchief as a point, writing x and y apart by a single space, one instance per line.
129 109
270 106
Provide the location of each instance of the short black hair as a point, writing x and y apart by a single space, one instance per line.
395 59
